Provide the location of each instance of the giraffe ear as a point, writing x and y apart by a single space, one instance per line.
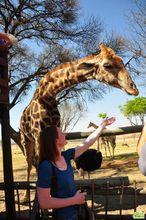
86 66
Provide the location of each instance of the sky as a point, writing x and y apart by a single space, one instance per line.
112 13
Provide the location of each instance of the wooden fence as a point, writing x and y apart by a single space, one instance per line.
106 194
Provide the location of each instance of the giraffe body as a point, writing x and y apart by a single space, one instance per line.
42 111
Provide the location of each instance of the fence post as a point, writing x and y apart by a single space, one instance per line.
107 198
5 127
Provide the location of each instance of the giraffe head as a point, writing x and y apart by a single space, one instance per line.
113 72
109 68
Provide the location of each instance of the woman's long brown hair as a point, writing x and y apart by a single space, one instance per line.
47 144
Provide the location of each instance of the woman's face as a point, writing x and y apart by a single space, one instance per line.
61 140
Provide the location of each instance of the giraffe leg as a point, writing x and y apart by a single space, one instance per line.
32 160
26 194
113 148
28 145
109 150
105 150
98 147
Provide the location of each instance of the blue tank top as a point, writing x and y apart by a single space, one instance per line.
64 185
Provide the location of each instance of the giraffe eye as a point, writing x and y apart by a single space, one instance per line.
107 65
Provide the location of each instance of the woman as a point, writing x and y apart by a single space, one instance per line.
59 193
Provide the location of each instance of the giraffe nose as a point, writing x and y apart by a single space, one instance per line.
132 85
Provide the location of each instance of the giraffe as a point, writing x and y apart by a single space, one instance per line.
42 110
105 141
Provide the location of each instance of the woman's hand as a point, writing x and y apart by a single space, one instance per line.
80 197
108 121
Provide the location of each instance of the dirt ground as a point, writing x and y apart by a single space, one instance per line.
124 165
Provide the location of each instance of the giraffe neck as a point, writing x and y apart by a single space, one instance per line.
65 76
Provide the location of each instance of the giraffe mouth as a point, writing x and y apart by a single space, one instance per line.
131 91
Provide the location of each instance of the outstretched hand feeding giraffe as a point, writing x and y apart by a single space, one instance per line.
42 111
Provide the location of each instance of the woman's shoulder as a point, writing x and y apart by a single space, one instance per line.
69 154
44 174
45 164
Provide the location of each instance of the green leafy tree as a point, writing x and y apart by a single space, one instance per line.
102 115
134 110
